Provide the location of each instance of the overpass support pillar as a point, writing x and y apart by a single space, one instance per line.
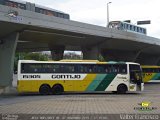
7 53
57 52
90 53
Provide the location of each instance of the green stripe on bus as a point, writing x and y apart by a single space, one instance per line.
156 76
94 84
105 82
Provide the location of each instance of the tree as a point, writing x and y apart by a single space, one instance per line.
29 56
36 56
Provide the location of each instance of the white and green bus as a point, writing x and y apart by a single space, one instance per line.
56 77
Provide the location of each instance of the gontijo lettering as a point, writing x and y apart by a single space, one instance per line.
66 76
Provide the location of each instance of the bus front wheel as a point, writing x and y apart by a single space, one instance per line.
57 89
45 89
122 88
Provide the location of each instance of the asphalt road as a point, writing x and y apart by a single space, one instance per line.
79 103
82 103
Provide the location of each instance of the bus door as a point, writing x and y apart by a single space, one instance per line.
135 77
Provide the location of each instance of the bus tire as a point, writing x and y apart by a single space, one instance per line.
121 89
45 89
57 89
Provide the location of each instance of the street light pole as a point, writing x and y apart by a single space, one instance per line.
108 12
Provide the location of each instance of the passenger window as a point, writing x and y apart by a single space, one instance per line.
101 68
56 68
115 69
109 68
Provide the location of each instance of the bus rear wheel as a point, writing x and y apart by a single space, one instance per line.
57 89
45 89
122 89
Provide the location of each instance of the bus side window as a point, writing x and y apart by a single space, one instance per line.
90 69
107 69
22 68
38 68
62 68
148 70
116 68
71 68
47 68
101 68
123 69
56 68
86 68
79 68
156 70
110 69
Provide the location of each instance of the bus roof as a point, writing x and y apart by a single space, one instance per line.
150 66
67 60
76 62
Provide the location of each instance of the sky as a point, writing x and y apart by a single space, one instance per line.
95 11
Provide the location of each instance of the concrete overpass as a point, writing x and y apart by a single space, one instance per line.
29 31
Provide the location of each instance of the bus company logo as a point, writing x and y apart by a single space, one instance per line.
66 76
145 106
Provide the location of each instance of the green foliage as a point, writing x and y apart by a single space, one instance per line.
35 56
29 56
101 58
